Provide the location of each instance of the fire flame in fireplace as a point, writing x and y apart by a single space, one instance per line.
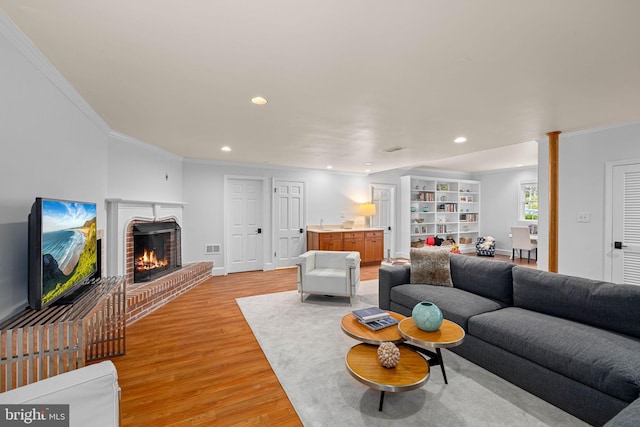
148 261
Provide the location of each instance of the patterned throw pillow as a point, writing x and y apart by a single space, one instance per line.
430 266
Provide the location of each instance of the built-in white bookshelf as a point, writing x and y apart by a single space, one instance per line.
439 207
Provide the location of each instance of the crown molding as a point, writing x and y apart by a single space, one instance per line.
268 166
598 129
37 58
150 147
511 169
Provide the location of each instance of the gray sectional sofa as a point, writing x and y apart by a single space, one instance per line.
571 341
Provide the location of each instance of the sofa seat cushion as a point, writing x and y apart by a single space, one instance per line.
330 281
456 305
328 272
603 360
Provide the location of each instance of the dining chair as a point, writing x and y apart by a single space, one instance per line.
521 240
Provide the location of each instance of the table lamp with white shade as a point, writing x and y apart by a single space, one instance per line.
368 210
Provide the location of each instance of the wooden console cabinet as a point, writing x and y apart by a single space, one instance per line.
353 241
330 242
370 243
373 246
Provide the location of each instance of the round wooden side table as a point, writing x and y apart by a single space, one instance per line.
358 331
449 334
412 371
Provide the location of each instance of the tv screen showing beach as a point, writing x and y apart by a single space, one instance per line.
69 246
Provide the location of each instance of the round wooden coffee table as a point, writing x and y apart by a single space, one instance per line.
449 334
411 372
358 331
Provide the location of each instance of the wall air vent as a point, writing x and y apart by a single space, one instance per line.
212 248
394 149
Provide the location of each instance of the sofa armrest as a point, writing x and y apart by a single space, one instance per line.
352 260
628 417
92 393
388 277
307 261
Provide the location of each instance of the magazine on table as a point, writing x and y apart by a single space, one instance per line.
370 313
376 325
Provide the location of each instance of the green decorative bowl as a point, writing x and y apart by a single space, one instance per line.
427 316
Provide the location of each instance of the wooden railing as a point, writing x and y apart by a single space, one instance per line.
38 344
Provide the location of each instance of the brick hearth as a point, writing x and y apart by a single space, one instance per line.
143 298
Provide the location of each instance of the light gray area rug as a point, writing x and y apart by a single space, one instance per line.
306 348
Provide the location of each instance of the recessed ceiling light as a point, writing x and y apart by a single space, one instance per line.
258 100
367 170
368 163
226 149
329 167
460 140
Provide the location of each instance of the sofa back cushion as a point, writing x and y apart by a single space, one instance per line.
331 259
610 306
490 279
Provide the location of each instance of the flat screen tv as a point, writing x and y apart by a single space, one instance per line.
63 252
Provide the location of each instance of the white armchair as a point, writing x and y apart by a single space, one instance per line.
92 393
329 273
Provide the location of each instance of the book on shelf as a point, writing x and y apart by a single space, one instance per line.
376 325
370 313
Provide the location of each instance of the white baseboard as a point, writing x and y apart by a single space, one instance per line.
218 271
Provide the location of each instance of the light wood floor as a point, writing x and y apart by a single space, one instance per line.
195 361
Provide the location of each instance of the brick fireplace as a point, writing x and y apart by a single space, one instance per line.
129 219
153 249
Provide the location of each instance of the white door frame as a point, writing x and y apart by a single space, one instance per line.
392 214
266 231
608 214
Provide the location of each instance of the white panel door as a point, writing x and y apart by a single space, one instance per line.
245 225
626 224
289 218
383 197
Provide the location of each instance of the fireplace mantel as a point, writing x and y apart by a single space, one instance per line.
120 213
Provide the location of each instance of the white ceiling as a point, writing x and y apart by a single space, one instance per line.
346 79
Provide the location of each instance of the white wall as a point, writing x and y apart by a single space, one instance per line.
50 148
328 194
139 171
499 203
582 161
54 145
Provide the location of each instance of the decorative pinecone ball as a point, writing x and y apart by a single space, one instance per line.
388 354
